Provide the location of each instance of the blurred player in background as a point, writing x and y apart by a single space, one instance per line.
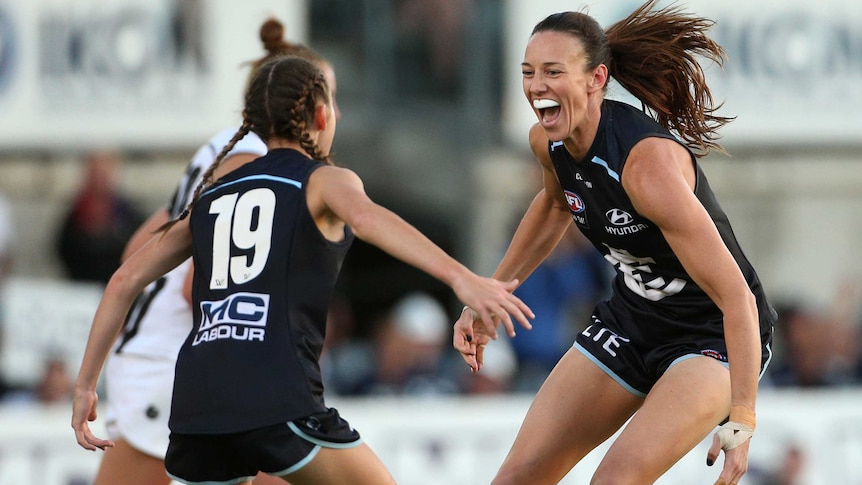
139 372
680 344
269 239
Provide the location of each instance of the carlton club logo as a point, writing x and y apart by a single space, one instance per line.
576 204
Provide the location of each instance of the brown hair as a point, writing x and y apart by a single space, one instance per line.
280 103
652 54
272 37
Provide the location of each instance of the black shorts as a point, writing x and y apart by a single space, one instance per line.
612 344
276 450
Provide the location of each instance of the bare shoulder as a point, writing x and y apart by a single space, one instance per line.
659 178
331 175
331 186
539 144
656 154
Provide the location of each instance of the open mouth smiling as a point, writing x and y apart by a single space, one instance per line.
549 110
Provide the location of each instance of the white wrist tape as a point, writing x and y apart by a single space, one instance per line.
733 434
472 312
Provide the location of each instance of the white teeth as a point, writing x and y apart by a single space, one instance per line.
545 103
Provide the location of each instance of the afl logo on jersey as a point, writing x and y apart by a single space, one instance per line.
576 204
619 217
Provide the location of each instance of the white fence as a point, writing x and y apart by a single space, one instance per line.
463 441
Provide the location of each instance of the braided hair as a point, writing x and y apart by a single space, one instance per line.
280 103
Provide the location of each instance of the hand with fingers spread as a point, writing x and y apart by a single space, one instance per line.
492 303
83 411
733 437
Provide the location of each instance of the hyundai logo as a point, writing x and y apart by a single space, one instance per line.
619 217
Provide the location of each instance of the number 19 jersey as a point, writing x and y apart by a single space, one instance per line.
264 276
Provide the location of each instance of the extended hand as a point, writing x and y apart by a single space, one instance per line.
84 410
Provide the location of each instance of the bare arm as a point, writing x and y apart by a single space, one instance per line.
145 232
543 225
659 178
663 192
540 230
158 256
340 193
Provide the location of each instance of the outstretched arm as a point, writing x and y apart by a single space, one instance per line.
340 192
540 230
546 221
158 256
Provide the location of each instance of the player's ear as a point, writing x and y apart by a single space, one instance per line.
599 78
320 116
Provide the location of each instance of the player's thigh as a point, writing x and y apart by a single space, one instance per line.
683 407
264 479
358 465
125 465
578 407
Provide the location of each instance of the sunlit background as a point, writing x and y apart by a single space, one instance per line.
435 123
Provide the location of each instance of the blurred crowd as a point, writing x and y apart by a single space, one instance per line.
406 349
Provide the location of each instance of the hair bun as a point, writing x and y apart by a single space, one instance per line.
272 35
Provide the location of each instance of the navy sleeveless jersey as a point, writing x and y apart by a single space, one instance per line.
264 276
650 284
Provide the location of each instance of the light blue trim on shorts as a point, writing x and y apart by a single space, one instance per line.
319 442
298 465
691 356
726 364
608 371
768 360
233 481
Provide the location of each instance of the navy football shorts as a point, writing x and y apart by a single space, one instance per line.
280 449
636 352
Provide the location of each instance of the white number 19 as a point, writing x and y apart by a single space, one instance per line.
235 225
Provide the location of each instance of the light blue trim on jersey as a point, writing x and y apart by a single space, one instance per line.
232 481
298 465
608 371
288 181
599 161
325 444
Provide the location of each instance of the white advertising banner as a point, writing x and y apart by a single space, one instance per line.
814 437
793 74
128 73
